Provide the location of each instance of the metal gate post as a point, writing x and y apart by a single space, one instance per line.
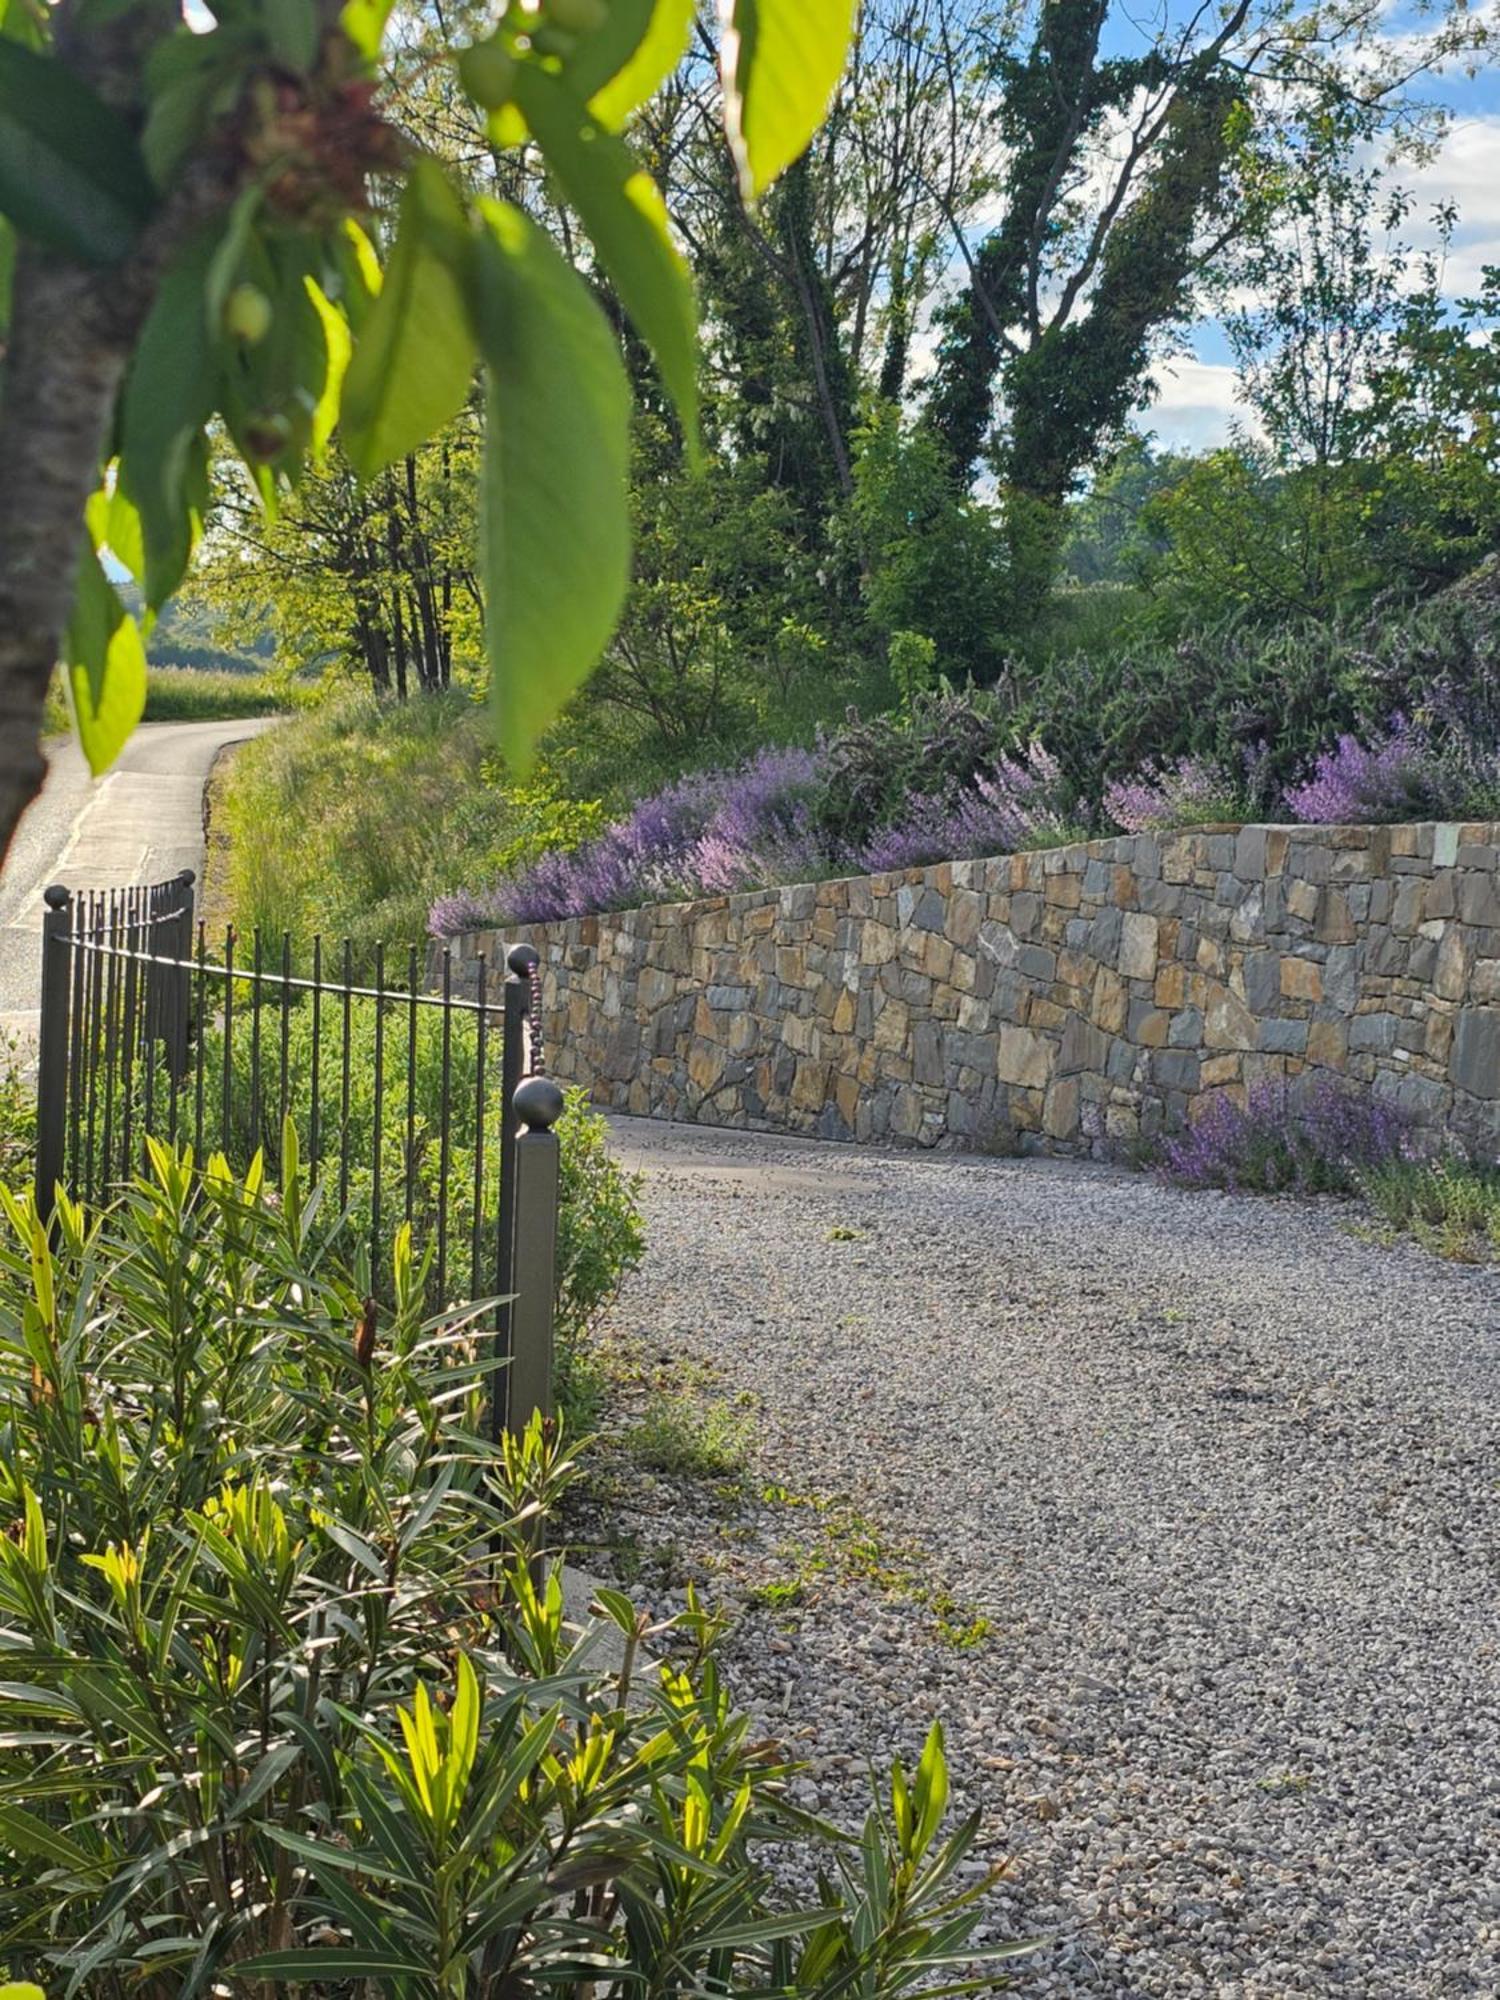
519 961
180 1004
52 1048
539 1105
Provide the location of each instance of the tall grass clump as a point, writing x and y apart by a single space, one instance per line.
349 819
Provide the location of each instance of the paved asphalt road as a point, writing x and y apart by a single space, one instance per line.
141 822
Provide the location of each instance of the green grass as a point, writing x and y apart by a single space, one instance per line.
1450 1206
187 694
692 1440
350 818
198 694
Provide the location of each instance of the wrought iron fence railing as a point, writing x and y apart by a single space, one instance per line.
407 1105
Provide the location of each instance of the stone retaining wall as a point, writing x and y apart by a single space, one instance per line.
1073 1000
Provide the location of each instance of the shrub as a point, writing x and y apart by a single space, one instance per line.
1317 1139
871 770
1453 1206
1399 773
719 830
288 1699
600 1233
1014 805
1391 779
17 1109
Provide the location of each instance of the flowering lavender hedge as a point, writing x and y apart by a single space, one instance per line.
758 823
1318 1141
753 824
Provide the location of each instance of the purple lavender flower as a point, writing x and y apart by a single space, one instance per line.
1190 792
714 831
1316 1139
1356 782
1012 806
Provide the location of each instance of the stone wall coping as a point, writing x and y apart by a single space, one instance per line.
1105 847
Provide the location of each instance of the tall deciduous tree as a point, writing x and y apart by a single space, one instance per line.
1122 180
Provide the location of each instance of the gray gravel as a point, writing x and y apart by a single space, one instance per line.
1221 1476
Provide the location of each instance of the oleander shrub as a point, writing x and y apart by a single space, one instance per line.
287 1697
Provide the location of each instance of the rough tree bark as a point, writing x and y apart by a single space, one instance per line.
72 330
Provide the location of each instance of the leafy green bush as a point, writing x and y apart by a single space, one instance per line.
288 1699
17 1110
1452 1206
600 1233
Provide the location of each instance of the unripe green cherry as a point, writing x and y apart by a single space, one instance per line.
488 73
247 315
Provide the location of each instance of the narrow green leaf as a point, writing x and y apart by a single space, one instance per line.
780 61
71 175
106 663
339 346
414 361
169 396
622 210
24 1833
306 1968
622 64
555 530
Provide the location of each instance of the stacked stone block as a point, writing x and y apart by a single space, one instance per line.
1072 1000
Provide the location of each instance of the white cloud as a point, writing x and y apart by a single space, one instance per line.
1465 170
1194 403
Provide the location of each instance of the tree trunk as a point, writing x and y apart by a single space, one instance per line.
68 347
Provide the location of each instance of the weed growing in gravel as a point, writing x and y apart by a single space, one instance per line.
857 1549
693 1440
842 1233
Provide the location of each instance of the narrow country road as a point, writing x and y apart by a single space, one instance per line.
141 822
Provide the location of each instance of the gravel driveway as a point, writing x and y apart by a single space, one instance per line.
1222 1480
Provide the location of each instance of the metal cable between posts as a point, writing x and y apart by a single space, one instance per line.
537 1065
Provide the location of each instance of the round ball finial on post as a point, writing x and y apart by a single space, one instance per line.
539 1103
57 897
523 960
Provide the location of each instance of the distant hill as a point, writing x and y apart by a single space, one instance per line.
183 637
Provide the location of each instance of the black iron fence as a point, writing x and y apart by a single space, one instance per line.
406 1105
